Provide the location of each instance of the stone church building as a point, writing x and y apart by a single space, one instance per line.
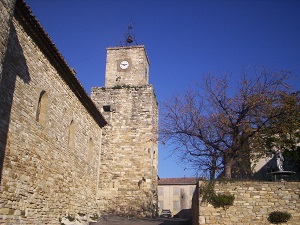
64 152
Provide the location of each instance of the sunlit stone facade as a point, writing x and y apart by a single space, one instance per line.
129 151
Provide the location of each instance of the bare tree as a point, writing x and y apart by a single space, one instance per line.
214 124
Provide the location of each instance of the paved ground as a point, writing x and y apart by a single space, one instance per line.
117 220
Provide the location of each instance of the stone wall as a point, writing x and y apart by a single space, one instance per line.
51 131
6 13
252 205
44 176
137 74
129 152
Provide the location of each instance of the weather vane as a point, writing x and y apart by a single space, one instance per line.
129 36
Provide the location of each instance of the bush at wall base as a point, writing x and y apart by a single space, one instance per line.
222 200
279 217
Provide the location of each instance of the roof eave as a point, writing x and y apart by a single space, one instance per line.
33 27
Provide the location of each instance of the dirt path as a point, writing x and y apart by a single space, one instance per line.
117 220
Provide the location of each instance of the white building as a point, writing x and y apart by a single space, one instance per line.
176 194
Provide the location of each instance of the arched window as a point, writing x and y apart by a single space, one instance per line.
90 150
41 112
72 135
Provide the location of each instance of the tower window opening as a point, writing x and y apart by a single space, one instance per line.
107 108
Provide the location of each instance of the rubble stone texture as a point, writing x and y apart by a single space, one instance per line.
128 174
53 162
44 177
6 13
252 205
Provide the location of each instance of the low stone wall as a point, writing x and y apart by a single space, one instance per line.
253 203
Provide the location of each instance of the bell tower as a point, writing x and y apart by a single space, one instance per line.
126 65
129 157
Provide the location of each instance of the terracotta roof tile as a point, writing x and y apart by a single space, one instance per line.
184 180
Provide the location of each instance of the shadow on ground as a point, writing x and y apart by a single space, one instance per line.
118 220
176 222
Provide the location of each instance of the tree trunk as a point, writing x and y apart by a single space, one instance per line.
228 163
212 172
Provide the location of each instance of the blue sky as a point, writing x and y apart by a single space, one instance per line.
184 39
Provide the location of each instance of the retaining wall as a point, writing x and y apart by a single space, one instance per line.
253 203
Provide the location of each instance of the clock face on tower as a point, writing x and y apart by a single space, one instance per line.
124 64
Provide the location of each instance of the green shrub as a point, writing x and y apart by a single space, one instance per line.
279 217
94 216
217 200
222 200
208 191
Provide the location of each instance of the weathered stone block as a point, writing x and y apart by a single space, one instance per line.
40 171
256 208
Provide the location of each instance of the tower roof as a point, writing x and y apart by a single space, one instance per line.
177 181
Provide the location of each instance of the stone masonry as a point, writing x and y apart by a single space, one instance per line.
52 131
129 151
59 155
252 205
61 152
6 13
137 74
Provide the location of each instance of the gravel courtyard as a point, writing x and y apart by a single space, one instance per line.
117 220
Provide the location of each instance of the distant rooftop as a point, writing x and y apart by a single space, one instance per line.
174 181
